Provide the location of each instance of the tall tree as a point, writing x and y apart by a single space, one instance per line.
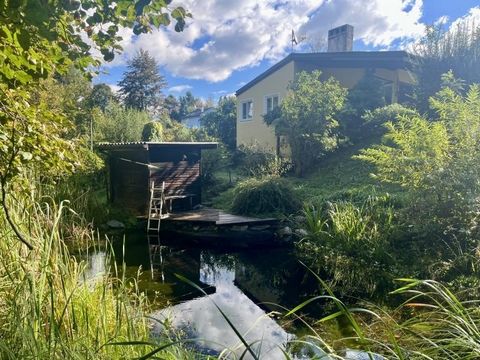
172 106
443 49
100 96
188 103
306 117
221 123
141 85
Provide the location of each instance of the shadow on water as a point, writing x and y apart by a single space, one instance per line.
246 285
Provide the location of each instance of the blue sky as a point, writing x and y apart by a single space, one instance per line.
228 43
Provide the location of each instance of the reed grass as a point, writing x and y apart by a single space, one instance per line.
49 310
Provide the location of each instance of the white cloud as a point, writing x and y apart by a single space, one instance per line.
376 22
234 35
179 88
471 19
115 88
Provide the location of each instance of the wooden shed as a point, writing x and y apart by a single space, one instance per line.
133 166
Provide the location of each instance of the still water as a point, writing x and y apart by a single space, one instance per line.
248 286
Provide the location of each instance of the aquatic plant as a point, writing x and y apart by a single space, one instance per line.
49 310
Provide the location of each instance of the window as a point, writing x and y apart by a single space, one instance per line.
271 102
247 110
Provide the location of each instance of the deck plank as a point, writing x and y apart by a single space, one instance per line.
215 217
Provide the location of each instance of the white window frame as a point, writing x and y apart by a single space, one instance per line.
248 118
265 99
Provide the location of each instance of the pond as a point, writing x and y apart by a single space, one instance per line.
248 286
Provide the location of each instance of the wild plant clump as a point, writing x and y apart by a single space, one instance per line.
258 162
50 309
269 195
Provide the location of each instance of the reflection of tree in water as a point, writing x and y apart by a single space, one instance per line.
275 277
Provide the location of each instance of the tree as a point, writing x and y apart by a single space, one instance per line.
100 96
306 117
367 95
172 106
441 50
141 85
188 103
221 123
39 39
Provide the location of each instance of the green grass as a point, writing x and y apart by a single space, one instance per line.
338 177
49 311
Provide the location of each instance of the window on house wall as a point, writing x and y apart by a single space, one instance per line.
271 102
247 110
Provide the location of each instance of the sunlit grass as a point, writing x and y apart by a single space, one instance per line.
48 310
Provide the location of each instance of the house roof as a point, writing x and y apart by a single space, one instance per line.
348 59
197 113
146 145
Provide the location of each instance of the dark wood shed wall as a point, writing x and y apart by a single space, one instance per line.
132 170
129 184
179 168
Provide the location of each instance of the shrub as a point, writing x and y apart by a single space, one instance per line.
264 196
118 124
374 120
212 161
437 163
258 162
152 131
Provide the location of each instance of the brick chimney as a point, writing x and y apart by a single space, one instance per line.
340 39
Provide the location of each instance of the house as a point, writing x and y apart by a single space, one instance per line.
262 94
134 165
192 120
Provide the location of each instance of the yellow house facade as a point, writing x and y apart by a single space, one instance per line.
262 94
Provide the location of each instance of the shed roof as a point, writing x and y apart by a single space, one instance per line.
354 59
146 145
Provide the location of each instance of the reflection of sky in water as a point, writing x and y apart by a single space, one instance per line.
201 319
95 266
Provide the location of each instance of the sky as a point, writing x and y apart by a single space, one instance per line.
227 43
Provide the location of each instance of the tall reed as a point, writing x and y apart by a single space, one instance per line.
48 310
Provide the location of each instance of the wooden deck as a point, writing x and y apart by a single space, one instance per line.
208 216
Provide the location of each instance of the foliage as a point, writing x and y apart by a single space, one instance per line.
257 162
351 236
172 106
221 123
152 131
101 95
212 161
436 162
368 94
119 124
51 309
141 84
175 131
188 103
432 323
40 39
374 120
307 117
443 49
44 39
269 195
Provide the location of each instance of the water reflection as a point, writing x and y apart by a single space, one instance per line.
245 285
199 318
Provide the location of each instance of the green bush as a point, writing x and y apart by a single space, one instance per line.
118 124
152 131
258 162
374 120
264 196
